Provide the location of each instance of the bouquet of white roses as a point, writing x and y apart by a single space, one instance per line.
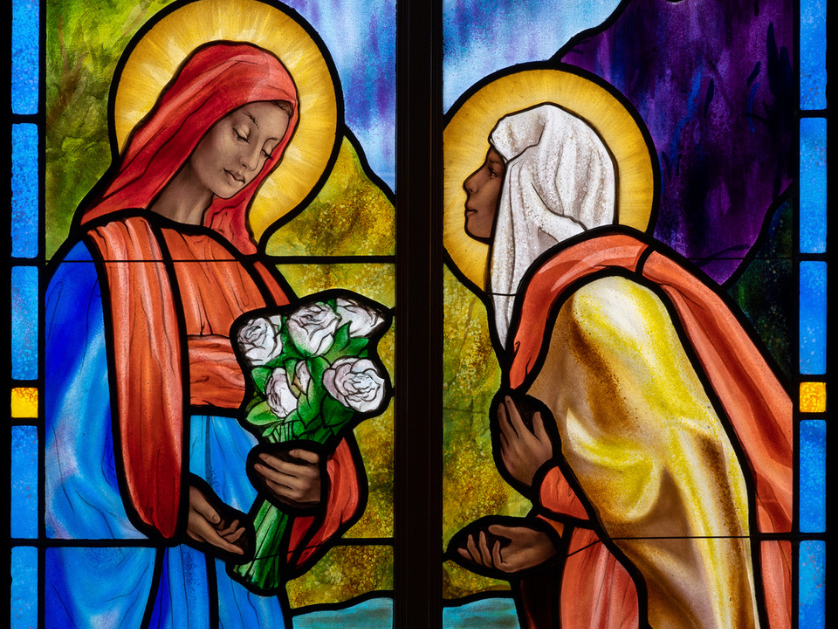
315 373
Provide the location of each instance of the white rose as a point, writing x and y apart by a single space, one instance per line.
259 340
302 376
355 383
362 320
281 399
312 328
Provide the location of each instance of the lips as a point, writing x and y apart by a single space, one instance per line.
234 179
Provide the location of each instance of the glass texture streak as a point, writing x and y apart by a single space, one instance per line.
812 317
813 54
812 588
813 185
24 323
24 509
26 18
24 190
813 476
24 594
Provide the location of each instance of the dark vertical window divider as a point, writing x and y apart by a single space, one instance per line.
418 507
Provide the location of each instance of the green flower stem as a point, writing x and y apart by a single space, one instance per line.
265 570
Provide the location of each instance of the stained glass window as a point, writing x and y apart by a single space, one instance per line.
635 224
505 316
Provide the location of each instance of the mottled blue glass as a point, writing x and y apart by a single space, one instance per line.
361 37
811 590
24 594
812 317
813 185
813 476
478 40
26 18
812 54
24 190
24 513
24 323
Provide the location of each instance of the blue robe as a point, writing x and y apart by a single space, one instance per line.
110 581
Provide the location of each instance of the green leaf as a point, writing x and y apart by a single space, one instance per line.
335 414
341 339
260 377
260 415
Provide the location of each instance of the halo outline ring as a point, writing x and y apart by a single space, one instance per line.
162 49
466 141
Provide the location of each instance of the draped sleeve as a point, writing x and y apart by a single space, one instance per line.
82 494
650 453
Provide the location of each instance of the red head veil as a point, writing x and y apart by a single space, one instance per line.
216 80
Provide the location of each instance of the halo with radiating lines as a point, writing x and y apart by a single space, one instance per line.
161 51
466 141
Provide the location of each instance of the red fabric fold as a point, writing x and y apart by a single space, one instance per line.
214 289
148 376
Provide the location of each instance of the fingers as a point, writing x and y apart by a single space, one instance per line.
198 501
506 428
234 537
496 556
485 553
309 456
515 417
201 530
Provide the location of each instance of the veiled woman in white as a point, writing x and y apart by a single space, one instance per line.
640 419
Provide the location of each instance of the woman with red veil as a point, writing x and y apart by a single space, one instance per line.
146 476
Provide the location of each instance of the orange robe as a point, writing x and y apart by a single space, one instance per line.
173 295
596 590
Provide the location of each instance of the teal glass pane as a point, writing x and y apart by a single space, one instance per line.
24 323
24 513
811 590
813 185
24 190
813 476
812 54
24 594
812 317
25 56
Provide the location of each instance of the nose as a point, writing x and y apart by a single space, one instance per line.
470 184
250 159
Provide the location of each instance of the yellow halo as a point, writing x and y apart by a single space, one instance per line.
163 49
466 140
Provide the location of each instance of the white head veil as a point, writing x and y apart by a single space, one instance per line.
559 181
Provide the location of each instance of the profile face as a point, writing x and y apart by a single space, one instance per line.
237 147
482 196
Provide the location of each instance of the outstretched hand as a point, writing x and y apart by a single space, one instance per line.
507 550
206 526
291 477
522 451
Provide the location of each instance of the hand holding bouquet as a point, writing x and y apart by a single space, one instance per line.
314 373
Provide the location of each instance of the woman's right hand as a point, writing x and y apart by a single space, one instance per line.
522 451
206 526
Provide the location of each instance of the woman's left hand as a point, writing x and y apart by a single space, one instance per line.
507 550
292 477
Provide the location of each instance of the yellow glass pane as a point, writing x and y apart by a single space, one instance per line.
812 397
24 402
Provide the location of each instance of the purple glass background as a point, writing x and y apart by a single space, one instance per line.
718 102
719 106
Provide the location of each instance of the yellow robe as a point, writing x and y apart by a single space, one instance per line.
651 454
